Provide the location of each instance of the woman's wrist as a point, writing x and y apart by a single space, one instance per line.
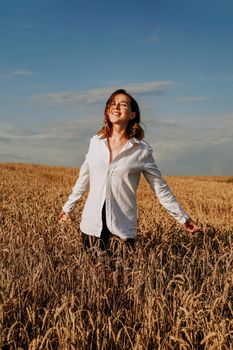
64 217
191 226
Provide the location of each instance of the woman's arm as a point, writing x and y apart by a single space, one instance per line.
79 188
164 193
77 191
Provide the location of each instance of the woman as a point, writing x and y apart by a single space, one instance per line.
116 158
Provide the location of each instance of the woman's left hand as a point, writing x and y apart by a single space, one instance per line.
64 218
191 226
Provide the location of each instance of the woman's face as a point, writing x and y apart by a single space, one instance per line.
119 111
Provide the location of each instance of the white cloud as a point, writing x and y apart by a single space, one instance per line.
62 143
224 117
188 148
97 95
162 123
192 98
25 26
156 87
192 151
222 76
21 73
154 39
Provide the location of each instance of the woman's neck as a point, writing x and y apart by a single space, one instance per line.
116 142
118 133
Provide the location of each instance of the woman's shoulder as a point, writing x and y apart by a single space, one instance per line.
95 139
143 144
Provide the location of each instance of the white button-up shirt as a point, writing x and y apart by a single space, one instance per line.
116 183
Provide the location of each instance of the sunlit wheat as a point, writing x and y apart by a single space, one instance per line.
175 291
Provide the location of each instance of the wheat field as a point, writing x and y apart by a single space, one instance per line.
174 291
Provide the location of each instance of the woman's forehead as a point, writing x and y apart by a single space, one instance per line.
121 98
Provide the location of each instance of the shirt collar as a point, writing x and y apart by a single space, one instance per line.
133 140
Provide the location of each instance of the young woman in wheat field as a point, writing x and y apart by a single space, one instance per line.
116 158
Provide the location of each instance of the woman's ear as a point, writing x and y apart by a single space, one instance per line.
133 115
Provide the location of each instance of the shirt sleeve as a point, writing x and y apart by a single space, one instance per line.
162 190
79 188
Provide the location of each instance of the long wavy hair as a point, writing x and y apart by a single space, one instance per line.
133 129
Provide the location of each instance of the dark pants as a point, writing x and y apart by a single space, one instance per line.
107 241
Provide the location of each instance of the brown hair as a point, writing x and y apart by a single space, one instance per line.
133 129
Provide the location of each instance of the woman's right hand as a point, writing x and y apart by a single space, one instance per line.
64 217
191 226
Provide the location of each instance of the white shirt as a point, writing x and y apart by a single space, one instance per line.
116 183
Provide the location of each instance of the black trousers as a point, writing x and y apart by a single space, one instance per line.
107 241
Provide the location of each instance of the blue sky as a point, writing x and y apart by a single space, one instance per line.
60 60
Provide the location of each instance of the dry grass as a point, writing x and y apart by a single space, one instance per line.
174 292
